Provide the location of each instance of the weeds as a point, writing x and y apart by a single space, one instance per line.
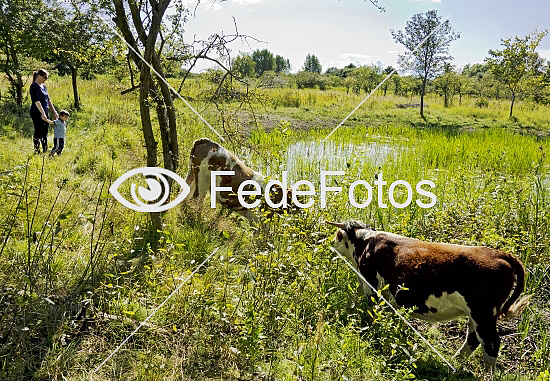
78 272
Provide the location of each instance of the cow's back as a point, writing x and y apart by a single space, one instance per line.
207 156
445 273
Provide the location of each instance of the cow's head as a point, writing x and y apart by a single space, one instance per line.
346 236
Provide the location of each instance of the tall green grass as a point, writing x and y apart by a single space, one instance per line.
78 273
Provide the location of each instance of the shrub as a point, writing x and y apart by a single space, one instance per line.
482 103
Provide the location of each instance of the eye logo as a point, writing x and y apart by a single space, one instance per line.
156 193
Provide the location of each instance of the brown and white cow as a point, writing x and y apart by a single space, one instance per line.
207 156
442 281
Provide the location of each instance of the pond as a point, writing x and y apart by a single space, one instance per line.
305 159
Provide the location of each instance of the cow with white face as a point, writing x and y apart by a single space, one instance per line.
440 281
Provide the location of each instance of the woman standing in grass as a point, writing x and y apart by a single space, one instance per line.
40 105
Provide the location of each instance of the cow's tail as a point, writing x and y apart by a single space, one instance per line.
515 304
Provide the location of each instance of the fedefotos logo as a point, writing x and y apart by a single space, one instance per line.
153 197
310 191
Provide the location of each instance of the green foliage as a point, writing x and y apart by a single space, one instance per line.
343 72
482 103
312 64
274 302
282 65
309 80
447 84
518 61
427 58
22 24
244 65
366 78
264 61
271 79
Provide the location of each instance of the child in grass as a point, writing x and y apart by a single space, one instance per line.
59 130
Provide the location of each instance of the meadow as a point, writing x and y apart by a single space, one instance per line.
78 272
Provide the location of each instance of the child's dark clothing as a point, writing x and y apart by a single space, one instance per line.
58 144
59 129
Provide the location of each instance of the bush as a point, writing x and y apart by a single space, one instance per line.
482 103
308 80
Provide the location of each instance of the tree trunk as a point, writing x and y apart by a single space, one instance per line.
169 117
422 92
148 39
18 89
164 133
146 126
512 105
16 80
74 75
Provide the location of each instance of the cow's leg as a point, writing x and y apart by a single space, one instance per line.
486 330
471 342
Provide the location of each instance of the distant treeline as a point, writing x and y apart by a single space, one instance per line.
471 79
72 40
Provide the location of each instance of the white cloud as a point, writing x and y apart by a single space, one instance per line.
213 6
354 58
189 3
544 53
246 2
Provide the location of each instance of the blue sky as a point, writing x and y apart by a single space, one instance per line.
344 31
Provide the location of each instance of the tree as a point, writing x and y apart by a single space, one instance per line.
480 81
462 86
78 39
541 88
366 78
427 59
396 79
446 84
387 71
343 72
518 61
158 37
147 22
20 23
270 79
308 80
282 65
312 64
244 65
264 61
